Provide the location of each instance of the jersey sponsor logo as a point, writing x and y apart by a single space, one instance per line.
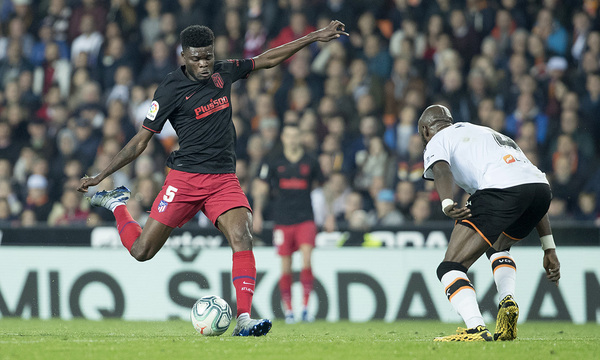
509 159
151 115
216 78
293 184
162 206
212 107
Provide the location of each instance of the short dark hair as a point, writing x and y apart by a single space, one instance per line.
196 36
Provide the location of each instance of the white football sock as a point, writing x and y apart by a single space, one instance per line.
461 294
505 273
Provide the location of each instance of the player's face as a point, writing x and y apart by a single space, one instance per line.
199 62
290 137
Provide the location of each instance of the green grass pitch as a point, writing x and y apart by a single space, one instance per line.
116 339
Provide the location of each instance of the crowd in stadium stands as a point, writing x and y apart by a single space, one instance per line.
77 79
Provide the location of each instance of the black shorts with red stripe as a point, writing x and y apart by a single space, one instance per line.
514 211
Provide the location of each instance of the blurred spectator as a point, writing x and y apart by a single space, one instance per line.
581 29
379 61
368 129
7 219
420 211
386 214
8 192
69 210
17 33
122 13
88 140
58 18
191 12
410 165
92 8
329 200
551 32
150 24
527 110
13 64
408 30
587 209
37 197
10 148
28 218
405 196
160 64
88 43
590 105
53 70
564 183
297 28
464 38
38 52
112 57
375 161
569 124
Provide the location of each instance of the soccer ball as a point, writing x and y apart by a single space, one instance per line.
211 315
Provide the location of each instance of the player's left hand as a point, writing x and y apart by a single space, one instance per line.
86 182
457 213
334 30
552 265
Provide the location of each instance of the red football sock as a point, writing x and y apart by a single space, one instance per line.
129 229
307 279
244 279
285 288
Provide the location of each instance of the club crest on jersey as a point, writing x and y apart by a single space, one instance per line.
151 115
162 206
216 78
304 169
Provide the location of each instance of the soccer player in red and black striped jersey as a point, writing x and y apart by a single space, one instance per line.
289 177
196 100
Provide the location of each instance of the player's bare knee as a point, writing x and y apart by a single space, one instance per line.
142 253
241 240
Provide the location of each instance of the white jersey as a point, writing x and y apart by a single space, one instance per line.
480 158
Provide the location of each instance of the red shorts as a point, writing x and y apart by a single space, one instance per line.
184 194
288 238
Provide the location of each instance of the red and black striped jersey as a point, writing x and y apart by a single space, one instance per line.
200 112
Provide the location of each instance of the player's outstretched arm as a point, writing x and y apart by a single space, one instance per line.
276 56
132 150
550 263
444 184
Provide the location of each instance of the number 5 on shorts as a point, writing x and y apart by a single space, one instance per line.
170 194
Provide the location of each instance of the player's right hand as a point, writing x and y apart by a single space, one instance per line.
86 182
457 213
552 265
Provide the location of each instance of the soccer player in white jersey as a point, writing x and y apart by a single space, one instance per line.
509 198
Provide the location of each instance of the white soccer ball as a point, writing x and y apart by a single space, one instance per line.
211 315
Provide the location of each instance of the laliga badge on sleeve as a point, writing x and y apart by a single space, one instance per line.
151 115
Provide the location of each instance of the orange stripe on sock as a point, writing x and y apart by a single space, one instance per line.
505 265
452 283
510 237
479 231
459 289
